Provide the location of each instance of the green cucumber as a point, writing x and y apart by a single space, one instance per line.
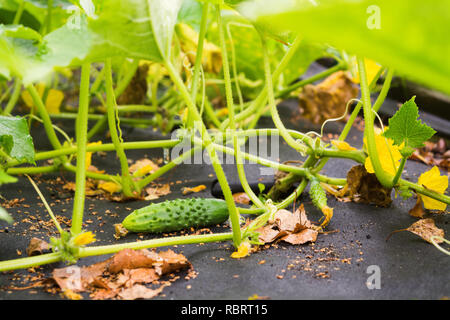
317 194
175 215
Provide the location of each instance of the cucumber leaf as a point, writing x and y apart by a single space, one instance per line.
404 127
409 36
15 139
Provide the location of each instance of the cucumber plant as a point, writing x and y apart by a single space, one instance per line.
108 41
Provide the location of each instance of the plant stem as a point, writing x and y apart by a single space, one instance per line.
399 172
155 243
273 107
28 262
125 81
14 97
230 105
384 91
111 105
45 117
19 12
215 161
283 93
81 137
369 132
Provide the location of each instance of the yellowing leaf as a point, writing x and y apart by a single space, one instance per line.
342 145
54 100
89 154
432 180
109 186
84 238
242 251
388 154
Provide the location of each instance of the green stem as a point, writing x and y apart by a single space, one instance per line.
215 161
399 172
28 262
369 131
81 137
426 192
384 91
273 107
14 97
111 105
285 92
231 113
44 116
125 81
19 12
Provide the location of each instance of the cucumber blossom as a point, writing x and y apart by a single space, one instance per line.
176 215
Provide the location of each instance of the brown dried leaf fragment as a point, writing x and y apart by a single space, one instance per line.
241 198
120 231
169 261
139 292
425 228
156 192
132 259
142 167
37 247
187 190
418 210
328 99
304 236
69 278
364 187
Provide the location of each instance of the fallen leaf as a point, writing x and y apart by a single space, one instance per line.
364 187
169 261
68 278
37 247
242 251
120 231
110 187
187 190
425 228
142 167
304 236
132 259
156 192
241 198
418 210
328 99
139 292
69 294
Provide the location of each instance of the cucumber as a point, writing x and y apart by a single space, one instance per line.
317 194
176 215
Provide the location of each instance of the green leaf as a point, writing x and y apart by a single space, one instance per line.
409 36
404 127
5 216
137 28
6 178
17 128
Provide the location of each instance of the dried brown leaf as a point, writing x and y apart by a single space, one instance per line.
425 228
139 292
304 236
418 211
156 192
241 198
132 259
37 247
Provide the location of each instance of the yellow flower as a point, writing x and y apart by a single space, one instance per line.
388 154
84 238
53 100
111 187
432 180
342 145
372 69
89 154
242 251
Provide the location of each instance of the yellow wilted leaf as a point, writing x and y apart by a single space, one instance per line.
109 186
328 214
372 69
342 145
54 100
388 153
84 238
89 154
242 251
432 180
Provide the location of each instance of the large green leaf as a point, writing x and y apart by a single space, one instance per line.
15 138
137 28
409 36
